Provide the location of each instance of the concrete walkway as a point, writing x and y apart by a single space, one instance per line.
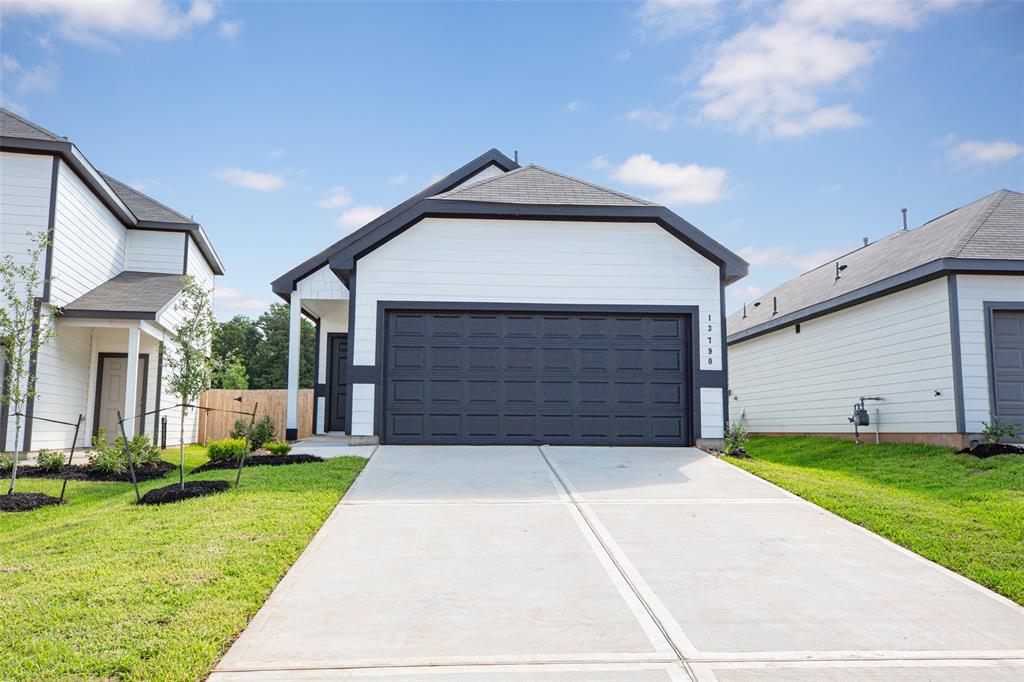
610 565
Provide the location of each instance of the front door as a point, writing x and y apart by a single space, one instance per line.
337 384
110 388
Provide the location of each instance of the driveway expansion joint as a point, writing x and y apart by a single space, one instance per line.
570 493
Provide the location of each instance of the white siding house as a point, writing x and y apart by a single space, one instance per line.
509 304
907 320
115 262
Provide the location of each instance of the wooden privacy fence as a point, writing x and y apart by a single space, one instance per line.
214 425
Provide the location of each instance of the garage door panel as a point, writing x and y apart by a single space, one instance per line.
521 377
1008 364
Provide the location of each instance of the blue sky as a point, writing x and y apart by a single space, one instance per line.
786 131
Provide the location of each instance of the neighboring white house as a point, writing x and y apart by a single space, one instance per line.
116 264
507 304
931 320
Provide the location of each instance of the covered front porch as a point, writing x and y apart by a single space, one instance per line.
324 300
99 368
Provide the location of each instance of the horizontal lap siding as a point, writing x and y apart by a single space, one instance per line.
89 243
24 202
198 267
155 251
896 347
510 261
62 388
972 292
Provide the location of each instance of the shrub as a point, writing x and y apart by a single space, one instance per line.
106 457
998 430
229 448
735 438
50 460
6 463
110 458
263 431
142 451
279 448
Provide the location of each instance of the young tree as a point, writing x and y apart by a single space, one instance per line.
233 375
22 332
189 364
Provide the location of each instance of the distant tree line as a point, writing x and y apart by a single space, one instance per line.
250 353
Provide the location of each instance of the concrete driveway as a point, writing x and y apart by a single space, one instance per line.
563 564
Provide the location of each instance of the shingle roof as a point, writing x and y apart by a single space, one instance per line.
991 228
144 207
12 125
535 185
138 295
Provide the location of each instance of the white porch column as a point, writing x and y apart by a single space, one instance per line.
131 386
294 339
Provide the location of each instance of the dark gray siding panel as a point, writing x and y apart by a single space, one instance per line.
507 377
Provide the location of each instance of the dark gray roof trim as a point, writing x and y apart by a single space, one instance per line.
285 284
128 295
155 216
372 236
904 280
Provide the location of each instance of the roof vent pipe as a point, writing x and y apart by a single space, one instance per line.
865 241
775 305
904 212
744 311
515 157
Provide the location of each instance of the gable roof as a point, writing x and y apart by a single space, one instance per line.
535 185
134 209
130 294
985 235
12 125
145 207
285 284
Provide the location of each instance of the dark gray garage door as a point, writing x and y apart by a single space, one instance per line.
524 377
1008 364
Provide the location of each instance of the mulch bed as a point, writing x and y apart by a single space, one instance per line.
983 450
175 493
19 502
258 461
80 472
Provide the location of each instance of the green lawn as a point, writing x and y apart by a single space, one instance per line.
959 511
101 588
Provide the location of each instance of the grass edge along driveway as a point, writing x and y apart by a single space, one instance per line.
964 513
101 588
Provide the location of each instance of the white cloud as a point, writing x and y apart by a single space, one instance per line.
396 180
771 76
335 197
674 184
623 55
96 22
25 80
261 182
668 18
599 162
787 256
975 152
574 105
228 301
659 120
229 29
276 154
357 216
